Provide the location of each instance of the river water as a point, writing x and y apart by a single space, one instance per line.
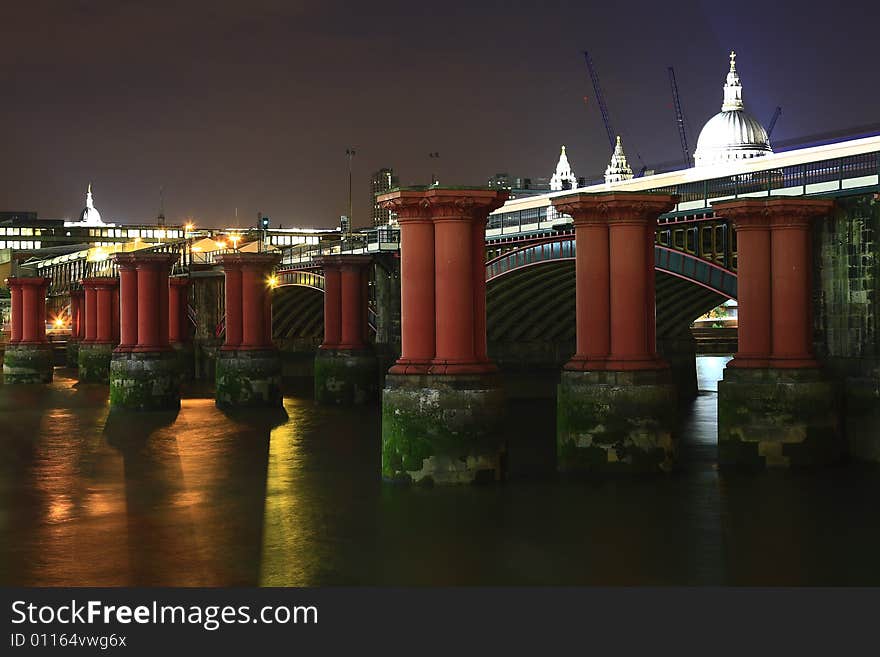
206 498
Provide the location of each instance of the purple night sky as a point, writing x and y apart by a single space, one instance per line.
251 105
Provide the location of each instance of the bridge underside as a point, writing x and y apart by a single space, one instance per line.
531 322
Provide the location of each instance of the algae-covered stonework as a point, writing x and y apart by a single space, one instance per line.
442 429
31 363
346 377
248 379
144 381
847 304
778 418
94 362
615 421
72 353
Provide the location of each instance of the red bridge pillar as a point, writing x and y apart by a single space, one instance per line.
94 352
442 401
143 369
616 401
28 357
775 407
77 327
346 369
178 326
248 367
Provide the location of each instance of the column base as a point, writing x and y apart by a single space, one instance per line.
94 362
144 381
442 429
615 421
346 377
769 417
248 378
28 363
186 364
72 353
863 418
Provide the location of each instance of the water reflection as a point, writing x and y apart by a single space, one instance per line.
206 498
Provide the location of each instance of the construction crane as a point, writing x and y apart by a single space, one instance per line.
600 98
773 121
679 119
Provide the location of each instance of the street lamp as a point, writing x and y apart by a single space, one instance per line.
349 153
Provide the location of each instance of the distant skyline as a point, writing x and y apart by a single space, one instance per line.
252 105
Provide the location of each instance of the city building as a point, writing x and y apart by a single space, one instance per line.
382 181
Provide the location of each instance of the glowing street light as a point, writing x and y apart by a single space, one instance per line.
272 281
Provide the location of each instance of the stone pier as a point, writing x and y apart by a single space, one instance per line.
346 369
776 406
95 350
616 401
28 357
143 369
443 404
248 364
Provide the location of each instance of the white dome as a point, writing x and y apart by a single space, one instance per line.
90 214
732 134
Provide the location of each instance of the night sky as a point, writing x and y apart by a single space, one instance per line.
251 105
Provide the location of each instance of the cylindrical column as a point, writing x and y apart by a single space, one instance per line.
417 323
233 305
629 292
253 315
128 307
115 315
592 292
454 280
148 299
790 292
791 279
32 309
15 292
332 306
74 315
104 329
352 322
91 302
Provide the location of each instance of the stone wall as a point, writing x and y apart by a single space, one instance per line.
846 302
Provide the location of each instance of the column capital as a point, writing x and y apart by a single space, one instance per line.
135 259
248 260
340 261
27 281
442 203
772 211
97 282
614 207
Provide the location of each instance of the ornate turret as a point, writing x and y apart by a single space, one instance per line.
619 169
564 177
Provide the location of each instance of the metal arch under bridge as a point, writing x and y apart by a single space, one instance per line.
668 260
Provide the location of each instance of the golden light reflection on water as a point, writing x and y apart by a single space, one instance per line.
284 541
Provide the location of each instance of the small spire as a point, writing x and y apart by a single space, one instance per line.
618 169
732 89
90 203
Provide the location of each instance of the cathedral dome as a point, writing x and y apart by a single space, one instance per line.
732 134
90 214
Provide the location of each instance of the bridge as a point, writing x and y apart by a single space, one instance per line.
602 282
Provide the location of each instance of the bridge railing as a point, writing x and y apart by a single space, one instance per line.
384 238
